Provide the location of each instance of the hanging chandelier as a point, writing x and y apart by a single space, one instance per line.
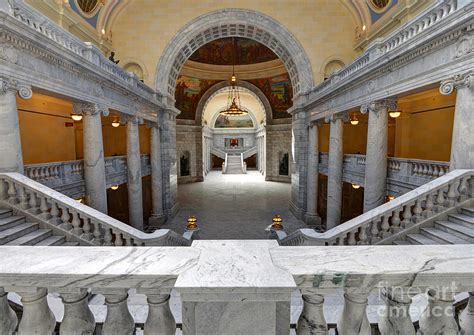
233 107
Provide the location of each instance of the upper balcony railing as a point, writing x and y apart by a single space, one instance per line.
68 177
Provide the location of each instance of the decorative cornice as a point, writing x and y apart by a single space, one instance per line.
338 116
88 108
132 119
24 91
376 106
458 81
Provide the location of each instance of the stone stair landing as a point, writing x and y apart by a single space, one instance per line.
457 229
16 230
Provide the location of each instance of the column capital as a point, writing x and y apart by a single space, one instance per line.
316 123
8 84
152 124
344 116
458 81
89 108
132 119
377 105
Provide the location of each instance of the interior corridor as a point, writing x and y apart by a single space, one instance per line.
234 206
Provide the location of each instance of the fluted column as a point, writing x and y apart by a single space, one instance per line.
94 164
462 144
134 174
11 155
335 161
312 216
156 176
376 157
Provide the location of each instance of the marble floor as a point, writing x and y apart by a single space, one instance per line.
234 206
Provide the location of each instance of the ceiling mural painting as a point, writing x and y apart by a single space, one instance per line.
222 52
279 92
188 92
241 121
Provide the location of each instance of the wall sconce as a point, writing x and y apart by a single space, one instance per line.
354 120
355 186
114 187
394 114
76 117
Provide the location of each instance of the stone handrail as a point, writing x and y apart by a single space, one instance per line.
249 152
73 219
218 152
238 275
404 174
68 177
224 165
402 36
443 193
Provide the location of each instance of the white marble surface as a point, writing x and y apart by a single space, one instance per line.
134 173
335 161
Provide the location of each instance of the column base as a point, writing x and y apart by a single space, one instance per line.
313 220
156 220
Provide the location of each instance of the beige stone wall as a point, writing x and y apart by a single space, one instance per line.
325 28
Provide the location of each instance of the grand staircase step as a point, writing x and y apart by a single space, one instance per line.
456 229
420 239
4 213
441 236
70 244
52 240
17 231
463 219
11 221
468 211
402 242
32 238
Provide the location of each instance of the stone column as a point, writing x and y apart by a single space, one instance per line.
335 162
156 176
11 156
312 216
134 170
462 144
94 164
376 156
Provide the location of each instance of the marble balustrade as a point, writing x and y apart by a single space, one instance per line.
72 219
403 174
383 223
68 177
238 287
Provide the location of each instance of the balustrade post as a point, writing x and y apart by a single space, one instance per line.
438 317
78 318
134 174
159 321
44 209
396 315
8 318
311 320
353 319
466 319
37 318
11 156
119 321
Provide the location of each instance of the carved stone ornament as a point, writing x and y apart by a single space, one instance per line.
24 91
336 116
458 81
378 105
90 108
8 53
464 46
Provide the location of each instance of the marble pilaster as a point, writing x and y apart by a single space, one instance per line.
134 174
335 163
376 157
156 176
462 144
94 164
312 217
11 156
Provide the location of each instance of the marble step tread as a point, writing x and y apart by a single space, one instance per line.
10 222
462 219
52 240
456 229
70 244
468 211
4 212
402 242
442 236
12 233
31 238
420 239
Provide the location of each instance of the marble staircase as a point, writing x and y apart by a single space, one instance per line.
458 228
234 165
16 230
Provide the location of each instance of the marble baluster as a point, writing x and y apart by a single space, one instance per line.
160 321
8 318
438 317
312 217
134 181
11 155
335 163
353 319
94 164
78 318
466 319
119 321
376 157
157 216
462 146
396 315
311 320
37 318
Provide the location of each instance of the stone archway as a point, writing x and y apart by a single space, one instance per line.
239 23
